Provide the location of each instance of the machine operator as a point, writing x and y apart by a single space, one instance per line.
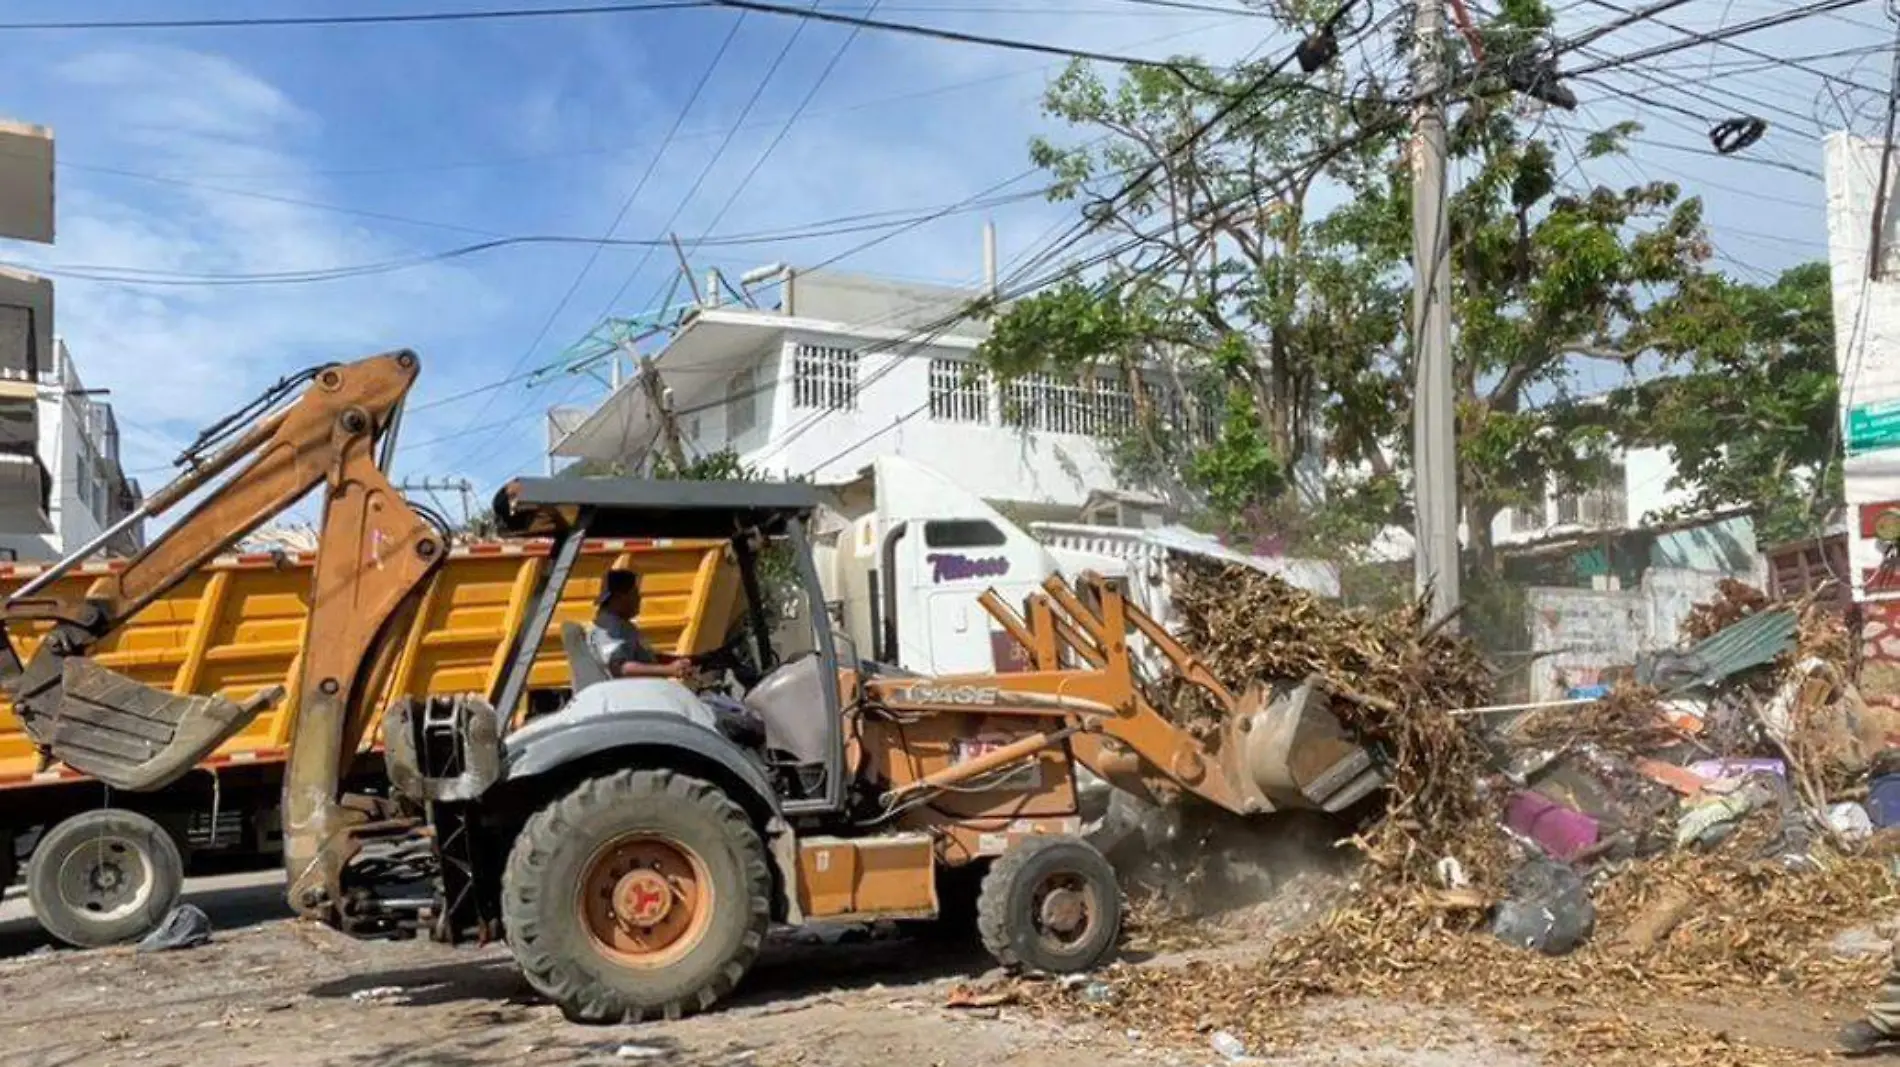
615 640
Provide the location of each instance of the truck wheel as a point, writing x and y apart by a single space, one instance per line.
104 877
640 894
1050 904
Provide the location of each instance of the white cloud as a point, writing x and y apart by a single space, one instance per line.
177 357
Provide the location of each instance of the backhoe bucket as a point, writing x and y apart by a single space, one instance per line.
1297 753
130 735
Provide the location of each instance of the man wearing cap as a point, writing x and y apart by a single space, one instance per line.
616 642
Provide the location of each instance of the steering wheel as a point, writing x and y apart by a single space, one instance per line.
727 657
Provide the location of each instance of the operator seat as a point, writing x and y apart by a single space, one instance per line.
582 667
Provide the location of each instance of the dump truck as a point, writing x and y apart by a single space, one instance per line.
104 866
633 847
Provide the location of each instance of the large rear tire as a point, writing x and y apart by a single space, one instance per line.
641 894
104 877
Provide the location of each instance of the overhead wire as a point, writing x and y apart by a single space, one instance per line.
626 205
692 191
1796 14
842 226
1790 63
900 230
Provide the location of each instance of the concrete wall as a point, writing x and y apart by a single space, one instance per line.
26 182
1589 634
882 302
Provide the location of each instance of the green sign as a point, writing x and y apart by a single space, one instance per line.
1873 426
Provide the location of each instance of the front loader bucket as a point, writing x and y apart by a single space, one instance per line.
128 734
1297 753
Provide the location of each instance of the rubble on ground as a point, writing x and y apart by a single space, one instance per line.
1718 822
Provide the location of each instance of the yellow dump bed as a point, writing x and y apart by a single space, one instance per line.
236 626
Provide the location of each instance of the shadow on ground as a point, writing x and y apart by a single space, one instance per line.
792 966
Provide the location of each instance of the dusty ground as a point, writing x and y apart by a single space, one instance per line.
271 991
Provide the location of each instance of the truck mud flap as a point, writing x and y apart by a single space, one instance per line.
130 735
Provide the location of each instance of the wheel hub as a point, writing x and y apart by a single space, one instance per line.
105 878
645 900
642 898
1065 911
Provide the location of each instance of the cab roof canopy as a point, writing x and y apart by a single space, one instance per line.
632 507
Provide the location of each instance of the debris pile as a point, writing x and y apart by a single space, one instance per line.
1579 873
1395 676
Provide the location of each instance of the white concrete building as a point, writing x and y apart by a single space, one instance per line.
1866 286
846 369
1635 490
78 487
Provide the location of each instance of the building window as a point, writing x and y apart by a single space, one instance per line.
959 391
1527 520
1093 407
825 378
742 403
1604 507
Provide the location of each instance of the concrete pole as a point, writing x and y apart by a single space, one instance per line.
1434 435
989 257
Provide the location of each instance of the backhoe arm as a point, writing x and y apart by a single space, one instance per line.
374 556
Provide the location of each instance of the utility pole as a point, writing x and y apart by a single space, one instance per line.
459 486
1434 434
663 409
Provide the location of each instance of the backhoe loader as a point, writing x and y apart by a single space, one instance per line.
634 847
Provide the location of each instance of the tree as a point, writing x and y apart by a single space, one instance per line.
1236 272
1749 420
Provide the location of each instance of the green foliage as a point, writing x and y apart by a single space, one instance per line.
1238 470
1750 415
1237 274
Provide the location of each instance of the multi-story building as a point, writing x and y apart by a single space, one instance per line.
63 483
845 369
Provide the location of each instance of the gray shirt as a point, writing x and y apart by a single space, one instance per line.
616 642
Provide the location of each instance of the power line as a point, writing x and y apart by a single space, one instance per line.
964 204
359 20
276 198
1767 22
1630 18
790 121
846 225
1789 63
758 93
936 33
625 206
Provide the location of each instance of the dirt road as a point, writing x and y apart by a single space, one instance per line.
268 990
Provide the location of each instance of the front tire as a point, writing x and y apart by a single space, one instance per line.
640 894
104 877
1050 904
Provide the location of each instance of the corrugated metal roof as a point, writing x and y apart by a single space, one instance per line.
1752 642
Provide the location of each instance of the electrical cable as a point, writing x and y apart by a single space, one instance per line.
854 250
790 121
1630 18
626 205
139 276
360 20
692 191
936 33
1790 63
1767 22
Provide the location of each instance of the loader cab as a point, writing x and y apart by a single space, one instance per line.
788 683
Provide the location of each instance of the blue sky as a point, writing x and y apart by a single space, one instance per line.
228 151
